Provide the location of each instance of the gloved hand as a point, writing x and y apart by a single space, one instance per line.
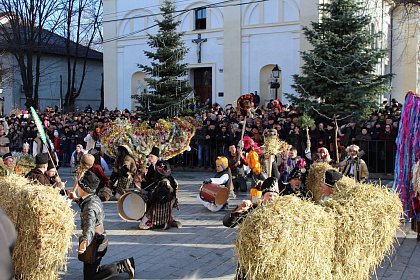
207 181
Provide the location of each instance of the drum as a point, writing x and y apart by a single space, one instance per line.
214 193
132 206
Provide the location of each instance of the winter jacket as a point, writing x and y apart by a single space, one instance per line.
91 216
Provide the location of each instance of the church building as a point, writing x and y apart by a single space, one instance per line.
234 46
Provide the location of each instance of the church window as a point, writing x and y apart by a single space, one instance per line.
200 18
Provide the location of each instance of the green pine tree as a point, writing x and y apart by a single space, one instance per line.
338 76
166 75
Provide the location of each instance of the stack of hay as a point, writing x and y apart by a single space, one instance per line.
368 217
345 237
44 223
287 239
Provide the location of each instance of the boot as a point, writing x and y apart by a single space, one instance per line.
128 266
176 224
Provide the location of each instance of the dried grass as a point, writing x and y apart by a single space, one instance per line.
287 239
368 217
44 223
315 174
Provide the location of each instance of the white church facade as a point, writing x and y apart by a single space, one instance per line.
233 47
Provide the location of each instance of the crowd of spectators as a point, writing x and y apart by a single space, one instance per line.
217 129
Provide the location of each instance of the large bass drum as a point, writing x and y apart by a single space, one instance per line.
214 193
132 206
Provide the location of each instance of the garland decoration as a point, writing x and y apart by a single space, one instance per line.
172 136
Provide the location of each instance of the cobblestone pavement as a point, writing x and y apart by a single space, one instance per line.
203 247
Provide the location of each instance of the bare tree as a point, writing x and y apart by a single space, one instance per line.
82 28
25 32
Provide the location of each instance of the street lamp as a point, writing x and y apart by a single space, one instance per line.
276 75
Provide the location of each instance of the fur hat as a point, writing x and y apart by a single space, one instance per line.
331 177
270 184
7 156
223 162
89 182
352 147
41 158
87 160
155 151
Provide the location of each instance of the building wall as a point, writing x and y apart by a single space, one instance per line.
49 89
243 43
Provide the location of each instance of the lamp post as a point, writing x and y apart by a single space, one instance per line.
276 75
1 102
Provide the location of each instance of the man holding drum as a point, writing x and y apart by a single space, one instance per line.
213 193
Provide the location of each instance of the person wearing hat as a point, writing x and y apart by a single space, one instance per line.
7 167
161 199
38 173
327 184
123 171
221 178
92 225
55 181
295 183
104 192
149 174
354 166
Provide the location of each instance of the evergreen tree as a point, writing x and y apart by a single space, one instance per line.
338 76
166 75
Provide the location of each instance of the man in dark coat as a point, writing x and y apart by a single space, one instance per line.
38 173
294 184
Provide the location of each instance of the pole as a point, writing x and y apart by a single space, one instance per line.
276 88
61 92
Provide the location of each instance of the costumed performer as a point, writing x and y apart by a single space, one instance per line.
123 171
295 183
270 192
7 167
93 241
415 223
38 173
221 178
161 199
103 191
354 166
327 184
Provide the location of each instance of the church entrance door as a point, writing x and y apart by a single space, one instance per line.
203 84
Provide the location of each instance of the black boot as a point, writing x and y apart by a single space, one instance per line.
128 266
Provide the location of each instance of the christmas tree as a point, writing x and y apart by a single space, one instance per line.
166 76
338 76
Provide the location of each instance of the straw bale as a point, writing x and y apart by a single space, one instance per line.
367 218
287 239
44 223
315 174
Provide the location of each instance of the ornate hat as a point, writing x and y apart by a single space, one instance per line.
331 177
296 173
163 168
155 151
89 182
41 158
270 184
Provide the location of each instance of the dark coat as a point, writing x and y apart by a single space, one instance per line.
37 175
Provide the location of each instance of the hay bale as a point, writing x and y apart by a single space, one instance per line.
315 174
44 223
290 237
367 218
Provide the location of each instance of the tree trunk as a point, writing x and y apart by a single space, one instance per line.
102 105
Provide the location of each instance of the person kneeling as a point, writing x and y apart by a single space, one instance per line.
93 242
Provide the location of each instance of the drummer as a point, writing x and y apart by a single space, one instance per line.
221 178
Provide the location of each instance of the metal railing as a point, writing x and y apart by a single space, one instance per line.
379 156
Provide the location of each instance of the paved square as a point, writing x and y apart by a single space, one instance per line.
203 247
